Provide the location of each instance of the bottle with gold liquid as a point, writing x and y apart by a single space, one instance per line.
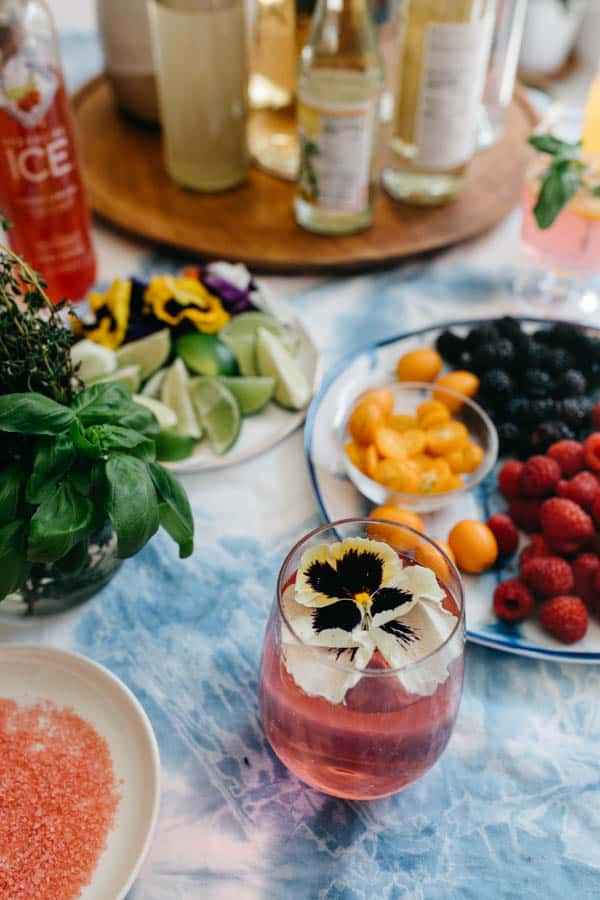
339 87
444 49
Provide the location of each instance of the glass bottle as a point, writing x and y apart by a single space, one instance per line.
339 87
41 189
444 49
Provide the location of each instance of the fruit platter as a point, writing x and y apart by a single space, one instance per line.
227 369
524 529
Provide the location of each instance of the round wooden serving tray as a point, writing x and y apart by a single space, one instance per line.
255 224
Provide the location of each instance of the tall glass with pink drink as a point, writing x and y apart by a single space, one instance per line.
362 667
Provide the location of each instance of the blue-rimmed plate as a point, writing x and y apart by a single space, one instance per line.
339 499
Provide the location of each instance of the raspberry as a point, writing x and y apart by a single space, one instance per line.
583 489
505 532
525 513
591 451
565 525
539 477
596 510
548 576
508 478
565 617
569 456
537 546
595 414
586 568
513 601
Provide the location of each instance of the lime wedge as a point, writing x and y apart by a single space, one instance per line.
174 393
129 375
93 359
172 446
252 393
218 412
248 323
150 353
205 354
165 415
154 384
275 361
243 347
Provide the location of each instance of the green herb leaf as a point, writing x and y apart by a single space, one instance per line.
58 523
12 483
547 143
595 191
174 509
76 559
139 418
80 476
114 437
132 505
101 403
14 566
53 458
559 185
33 414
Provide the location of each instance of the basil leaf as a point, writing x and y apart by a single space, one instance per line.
547 143
33 414
174 509
14 566
12 482
114 437
131 503
76 558
101 403
138 418
58 523
559 185
80 476
53 457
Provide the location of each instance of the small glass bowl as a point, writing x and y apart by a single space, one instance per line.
408 395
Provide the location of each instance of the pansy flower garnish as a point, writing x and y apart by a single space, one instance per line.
354 598
111 315
177 300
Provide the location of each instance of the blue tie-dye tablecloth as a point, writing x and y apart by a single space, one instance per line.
512 810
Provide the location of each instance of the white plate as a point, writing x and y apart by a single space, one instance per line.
339 499
262 431
29 674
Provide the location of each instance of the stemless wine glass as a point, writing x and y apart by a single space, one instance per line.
362 667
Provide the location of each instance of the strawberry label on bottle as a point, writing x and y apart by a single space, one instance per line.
27 89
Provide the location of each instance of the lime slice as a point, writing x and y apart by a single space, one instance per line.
129 375
205 354
275 361
252 393
150 353
248 323
243 347
93 359
165 415
154 384
217 410
172 446
174 393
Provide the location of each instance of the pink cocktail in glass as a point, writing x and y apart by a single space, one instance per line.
366 730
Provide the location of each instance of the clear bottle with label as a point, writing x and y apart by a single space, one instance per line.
339 87
41 190
444 50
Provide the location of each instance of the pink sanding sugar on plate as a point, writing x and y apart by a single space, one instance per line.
58 801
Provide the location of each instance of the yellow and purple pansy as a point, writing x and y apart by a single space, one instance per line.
176 300
354 598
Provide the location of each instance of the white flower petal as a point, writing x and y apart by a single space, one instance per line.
305 593
418 581
300 619
315 670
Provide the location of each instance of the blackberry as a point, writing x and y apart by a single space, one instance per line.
509 328
497 355
496 384
593 374
518 410
529 354
508 438
562 334
541 409
536 383
558 360
573 411
450 346
548 433
571 383
486 333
